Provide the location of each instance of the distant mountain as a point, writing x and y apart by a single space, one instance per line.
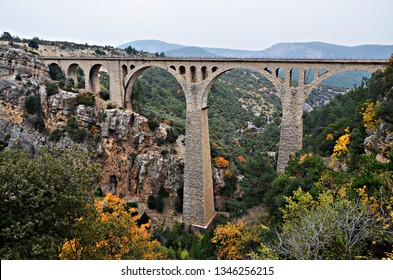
281 50
324 50
152 46
190 52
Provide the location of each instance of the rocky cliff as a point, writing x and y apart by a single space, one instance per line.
137 162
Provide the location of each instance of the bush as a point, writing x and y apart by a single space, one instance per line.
100 52
33 44
72 123
33 104
164 153
110 106
99 192
76 134
151 202
172 135
130 204
179 200
51 89
153 123
56 135
85 98
102 115
104 94
144 219
159 204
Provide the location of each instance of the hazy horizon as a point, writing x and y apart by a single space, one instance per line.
244 25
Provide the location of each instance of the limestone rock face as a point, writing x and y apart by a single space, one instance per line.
380 141
61 107
16 62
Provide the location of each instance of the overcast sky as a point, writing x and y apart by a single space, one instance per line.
238 24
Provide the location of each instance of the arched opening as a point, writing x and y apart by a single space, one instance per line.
99 81
204 72
193 74
124 71
153 91
280 73
182 70
244 117
294 77
308 76
55 72
332 86
76 76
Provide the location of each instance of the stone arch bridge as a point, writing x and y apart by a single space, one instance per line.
293 79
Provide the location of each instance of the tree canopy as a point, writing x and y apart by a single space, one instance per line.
40 198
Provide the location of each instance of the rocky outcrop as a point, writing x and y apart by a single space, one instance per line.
380 142
21 64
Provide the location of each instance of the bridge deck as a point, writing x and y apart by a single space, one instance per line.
223 59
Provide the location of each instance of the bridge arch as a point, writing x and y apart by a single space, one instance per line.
132 76
77 74
218 72
56 72
324 74
94 82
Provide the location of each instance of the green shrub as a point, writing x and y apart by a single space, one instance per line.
33 44
153 123
100 52
33 104
159 204
102 115
99 192
104 94
151 202
56 135
51 88
144 219
72 123
110 106
164 153
85 98
76 134
3 145
130 204
179 200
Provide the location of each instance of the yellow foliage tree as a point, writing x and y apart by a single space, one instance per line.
369 115
110 232
221 162
297 205
232 240
341 146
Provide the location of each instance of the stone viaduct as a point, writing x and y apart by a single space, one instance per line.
293 79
